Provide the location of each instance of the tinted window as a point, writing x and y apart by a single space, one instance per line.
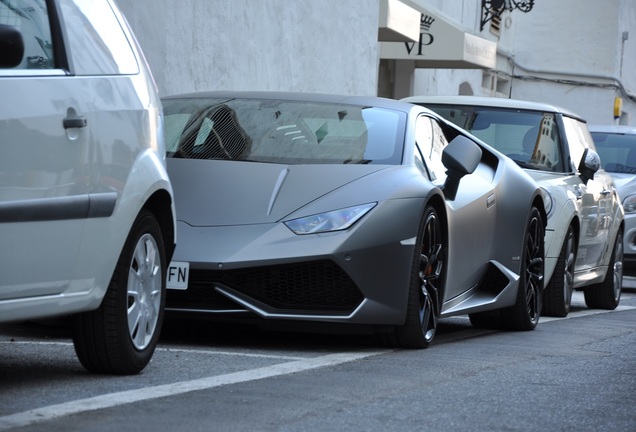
282 131
530 138
98 45
431 141
617 151
31 18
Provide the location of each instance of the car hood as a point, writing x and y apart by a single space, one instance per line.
625 183
219 193
543 176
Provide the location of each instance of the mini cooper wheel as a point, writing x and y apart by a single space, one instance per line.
121 335
558 294
607 294
427 280
525 313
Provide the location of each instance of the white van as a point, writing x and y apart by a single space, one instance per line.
86 210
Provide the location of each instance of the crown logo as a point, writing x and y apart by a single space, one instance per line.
426 22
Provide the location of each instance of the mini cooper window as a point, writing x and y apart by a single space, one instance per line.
280 131
31 19
530 138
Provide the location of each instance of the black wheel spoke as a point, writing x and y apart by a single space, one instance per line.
430 271
524 314
426 284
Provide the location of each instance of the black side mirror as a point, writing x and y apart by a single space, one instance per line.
590 163
460 157
11 47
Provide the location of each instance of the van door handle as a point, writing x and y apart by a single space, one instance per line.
74 122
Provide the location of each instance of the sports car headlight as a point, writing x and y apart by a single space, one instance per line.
331 221
629 204
548 202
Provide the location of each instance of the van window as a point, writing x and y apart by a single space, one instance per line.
97 42
32 19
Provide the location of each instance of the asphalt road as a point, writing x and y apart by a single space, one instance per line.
573 374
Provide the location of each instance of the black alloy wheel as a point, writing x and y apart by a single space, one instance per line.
427 281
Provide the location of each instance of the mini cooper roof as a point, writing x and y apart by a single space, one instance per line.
494 102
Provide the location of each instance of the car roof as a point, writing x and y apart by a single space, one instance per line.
299 96
495 102
618 129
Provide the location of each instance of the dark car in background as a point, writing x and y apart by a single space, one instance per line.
616 145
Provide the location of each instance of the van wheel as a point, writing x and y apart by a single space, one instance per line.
121 335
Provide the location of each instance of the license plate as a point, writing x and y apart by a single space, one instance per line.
177 278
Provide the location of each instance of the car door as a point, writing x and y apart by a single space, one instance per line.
594 198
471 215
70 136
43 167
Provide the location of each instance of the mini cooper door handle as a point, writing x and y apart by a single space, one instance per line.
606 192
74 122
578 192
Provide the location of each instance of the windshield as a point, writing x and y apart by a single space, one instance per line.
530 138
281 131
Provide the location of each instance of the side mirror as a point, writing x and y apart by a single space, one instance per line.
11 47
590 163
460 157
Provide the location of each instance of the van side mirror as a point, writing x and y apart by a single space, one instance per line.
11 47
460 157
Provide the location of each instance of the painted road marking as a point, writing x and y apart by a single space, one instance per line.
51 412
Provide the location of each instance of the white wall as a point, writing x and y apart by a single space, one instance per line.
327 46
331 46
582 40
466 13
582 43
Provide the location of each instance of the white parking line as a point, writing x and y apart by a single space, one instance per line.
231 353
293 364
169 349
51 412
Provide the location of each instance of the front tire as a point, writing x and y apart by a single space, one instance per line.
558 294
427 278
607 294
525 313
120 336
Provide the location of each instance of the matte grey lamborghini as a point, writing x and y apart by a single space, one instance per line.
354 210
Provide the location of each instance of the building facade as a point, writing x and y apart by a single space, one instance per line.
579 55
